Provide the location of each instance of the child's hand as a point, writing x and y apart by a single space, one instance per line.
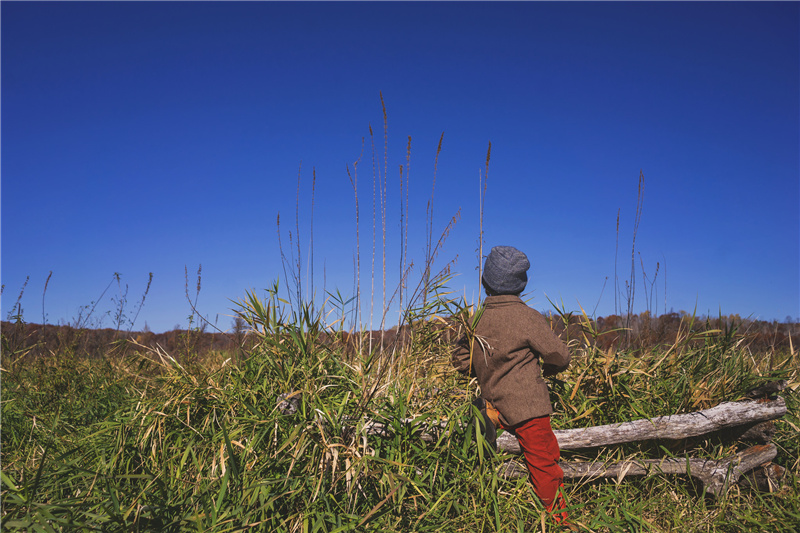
549 370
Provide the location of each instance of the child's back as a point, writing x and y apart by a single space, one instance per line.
519 348
512 350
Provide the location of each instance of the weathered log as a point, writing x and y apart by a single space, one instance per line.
671 427
742 415
716 476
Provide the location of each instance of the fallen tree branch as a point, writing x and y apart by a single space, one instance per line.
716 476
671 427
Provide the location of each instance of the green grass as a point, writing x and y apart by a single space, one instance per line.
140 443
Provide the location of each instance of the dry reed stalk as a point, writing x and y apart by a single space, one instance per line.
636 220
372 267
384 202
283 256
44 292
311 254
616 277
429 222
141 303
408 212
299 286
354 183
665 285
18 305
482 198
402 258
652 294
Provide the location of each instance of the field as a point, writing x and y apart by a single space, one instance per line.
131 437
274 427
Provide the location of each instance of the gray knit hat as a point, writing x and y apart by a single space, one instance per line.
505 270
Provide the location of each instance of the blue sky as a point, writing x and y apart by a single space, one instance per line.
155 137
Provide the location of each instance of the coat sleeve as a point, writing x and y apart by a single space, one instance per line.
551 349
460 357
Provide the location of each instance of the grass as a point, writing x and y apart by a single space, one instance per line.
140 443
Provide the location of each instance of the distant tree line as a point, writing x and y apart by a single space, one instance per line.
644 331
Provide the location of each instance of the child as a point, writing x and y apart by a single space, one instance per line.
514 350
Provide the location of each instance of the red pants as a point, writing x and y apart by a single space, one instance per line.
540 448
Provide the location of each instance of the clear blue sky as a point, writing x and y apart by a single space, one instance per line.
154 137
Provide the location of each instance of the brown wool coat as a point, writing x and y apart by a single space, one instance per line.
520 345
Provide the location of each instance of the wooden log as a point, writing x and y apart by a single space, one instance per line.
671 427
716 476
743 415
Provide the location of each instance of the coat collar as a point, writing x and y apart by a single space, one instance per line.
502 299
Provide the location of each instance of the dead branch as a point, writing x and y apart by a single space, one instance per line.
744 414
716 476
671 427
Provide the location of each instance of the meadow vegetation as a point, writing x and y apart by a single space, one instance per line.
138 440
275 430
